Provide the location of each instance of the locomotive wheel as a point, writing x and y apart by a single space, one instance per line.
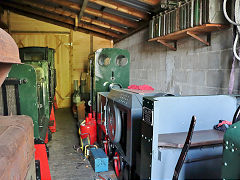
110 150
113 122
106 148
117 164
106 144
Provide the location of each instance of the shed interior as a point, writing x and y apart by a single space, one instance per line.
109 57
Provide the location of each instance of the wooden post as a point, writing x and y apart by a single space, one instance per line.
76 22
71 60
91 44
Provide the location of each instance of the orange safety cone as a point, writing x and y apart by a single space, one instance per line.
52 122
55 102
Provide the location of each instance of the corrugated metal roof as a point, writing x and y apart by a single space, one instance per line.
111 19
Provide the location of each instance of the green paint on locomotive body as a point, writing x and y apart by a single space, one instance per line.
231 152
30 98
107 68
32 55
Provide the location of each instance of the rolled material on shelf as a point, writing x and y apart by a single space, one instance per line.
185 15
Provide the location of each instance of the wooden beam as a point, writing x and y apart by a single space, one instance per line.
59 18
111 17
121 8
38 4
53 16
151 2
85 2
76 21
71 59
55 22
41 32
91 44
104 24
66 3
97 13
40 18
95 28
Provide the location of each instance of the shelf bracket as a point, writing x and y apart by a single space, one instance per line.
195 36
174 48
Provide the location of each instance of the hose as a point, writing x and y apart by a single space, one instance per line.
237 15
237 23
226 15
235 47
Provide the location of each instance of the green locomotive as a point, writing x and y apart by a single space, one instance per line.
33 95
36 56
30 88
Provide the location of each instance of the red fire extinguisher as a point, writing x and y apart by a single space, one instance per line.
92 119
89 129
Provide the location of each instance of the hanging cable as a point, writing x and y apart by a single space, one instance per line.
235 47
226 15
237 23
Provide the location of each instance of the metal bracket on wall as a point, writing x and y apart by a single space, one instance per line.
165 43
195 36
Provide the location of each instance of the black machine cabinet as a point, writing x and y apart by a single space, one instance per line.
123 127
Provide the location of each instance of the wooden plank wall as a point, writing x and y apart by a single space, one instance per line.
72 49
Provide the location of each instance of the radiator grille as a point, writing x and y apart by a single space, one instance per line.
11 100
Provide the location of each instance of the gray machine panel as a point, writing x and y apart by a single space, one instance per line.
173 115
131 98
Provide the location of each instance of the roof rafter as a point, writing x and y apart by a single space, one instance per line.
122 8
58 18
58 23
97 13
84 5
104 24
111 17
39 4
151 2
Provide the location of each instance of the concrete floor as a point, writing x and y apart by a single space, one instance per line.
65 162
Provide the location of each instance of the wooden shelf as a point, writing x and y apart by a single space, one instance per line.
192 32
